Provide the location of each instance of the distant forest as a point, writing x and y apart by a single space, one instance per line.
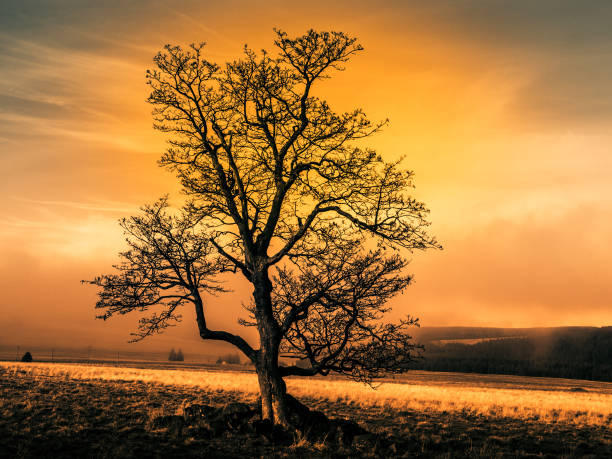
565 352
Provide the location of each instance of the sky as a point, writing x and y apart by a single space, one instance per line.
503 109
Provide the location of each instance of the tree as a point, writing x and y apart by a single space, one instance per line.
276 191
176 356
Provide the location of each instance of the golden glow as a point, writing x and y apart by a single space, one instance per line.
509 145
508 397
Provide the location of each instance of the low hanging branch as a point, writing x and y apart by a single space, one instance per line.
170 262
331 310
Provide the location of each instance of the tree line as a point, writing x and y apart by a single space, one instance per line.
575 353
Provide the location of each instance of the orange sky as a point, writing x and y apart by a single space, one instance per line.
503 109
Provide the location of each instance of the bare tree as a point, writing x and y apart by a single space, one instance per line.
277 190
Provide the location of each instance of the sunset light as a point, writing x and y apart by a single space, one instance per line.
491 233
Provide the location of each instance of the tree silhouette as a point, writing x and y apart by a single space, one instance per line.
176 356
278 192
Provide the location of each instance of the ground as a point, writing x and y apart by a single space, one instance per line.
47 414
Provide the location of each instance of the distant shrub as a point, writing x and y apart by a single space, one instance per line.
233 359
27 357
176 356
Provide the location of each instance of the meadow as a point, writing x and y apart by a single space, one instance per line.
419 414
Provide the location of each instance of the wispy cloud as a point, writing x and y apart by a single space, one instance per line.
79 237
89 133
199 25
96 206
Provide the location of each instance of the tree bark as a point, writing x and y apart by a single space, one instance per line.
273 391
272 387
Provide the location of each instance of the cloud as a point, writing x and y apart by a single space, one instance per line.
108 206
560 25
32 106
482 95
534 270
576 94
560 50
74 237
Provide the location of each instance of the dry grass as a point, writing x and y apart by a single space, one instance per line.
76 410
591 407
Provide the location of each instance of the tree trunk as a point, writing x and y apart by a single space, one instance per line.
273 392
272 387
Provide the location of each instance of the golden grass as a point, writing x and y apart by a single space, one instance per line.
579 408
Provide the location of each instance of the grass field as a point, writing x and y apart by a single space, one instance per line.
424 414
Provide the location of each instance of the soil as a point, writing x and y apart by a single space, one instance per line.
60 417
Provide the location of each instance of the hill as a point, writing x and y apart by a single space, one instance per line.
562 352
